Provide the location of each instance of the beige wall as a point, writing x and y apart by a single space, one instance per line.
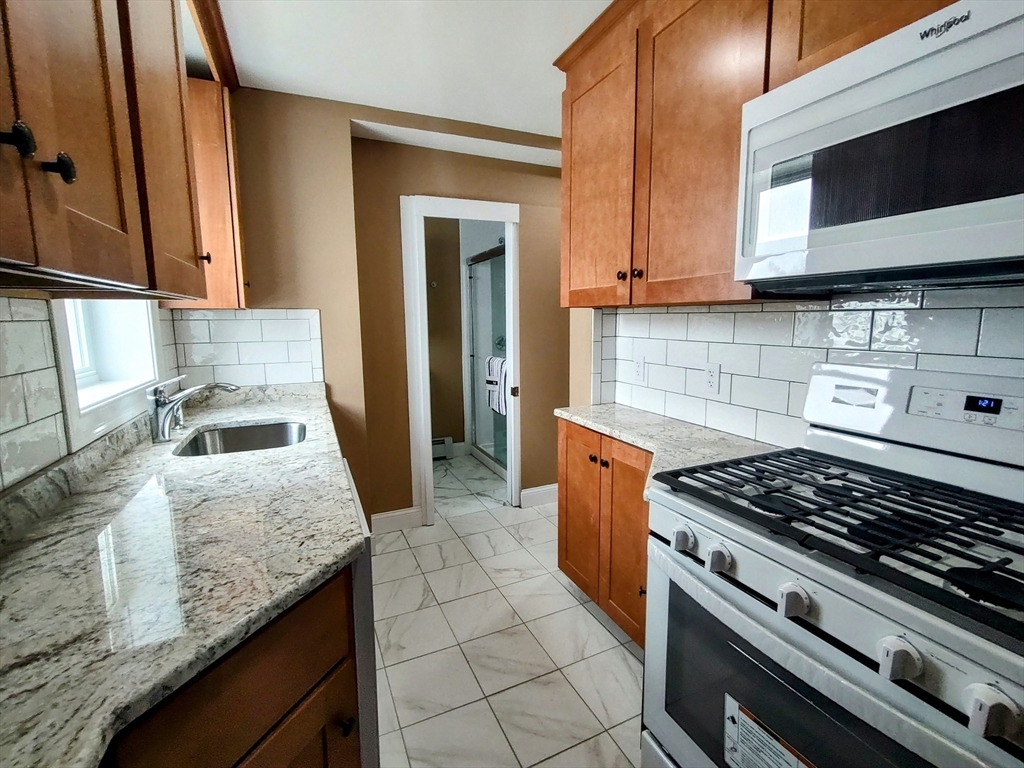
381 174
581 349
444 327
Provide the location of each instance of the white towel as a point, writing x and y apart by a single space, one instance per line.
495 381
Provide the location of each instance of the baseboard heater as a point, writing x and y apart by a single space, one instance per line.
443 448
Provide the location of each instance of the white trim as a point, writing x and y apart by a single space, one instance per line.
467 349
396 520
414 209
542 494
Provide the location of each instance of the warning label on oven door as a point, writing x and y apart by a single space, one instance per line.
749 744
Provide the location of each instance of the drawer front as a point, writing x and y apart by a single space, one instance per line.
218 717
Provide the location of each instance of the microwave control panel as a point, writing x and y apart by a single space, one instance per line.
985 410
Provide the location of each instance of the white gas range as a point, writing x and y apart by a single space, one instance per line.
858 601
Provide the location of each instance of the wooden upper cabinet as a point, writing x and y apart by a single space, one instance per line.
15 226
698 63
158 88
67 72
579 505
624 530
598 120
809 33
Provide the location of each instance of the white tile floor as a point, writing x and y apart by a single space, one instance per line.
487 655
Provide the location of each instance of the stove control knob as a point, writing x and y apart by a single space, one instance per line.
898 659
683 538
793 600
718 559
991 712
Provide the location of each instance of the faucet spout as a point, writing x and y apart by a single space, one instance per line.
167 407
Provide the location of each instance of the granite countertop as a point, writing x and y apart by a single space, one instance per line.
673 443
158 568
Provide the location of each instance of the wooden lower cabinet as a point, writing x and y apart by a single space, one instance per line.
602 522
284 697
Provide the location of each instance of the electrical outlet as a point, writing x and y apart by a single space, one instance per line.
711 378
638 370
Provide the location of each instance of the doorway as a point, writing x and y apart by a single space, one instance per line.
460 262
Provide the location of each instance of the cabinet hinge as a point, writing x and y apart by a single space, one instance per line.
515 392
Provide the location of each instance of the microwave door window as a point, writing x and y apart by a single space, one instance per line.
783 210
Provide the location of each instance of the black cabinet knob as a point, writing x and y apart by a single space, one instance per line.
604 463
63 166
347 726
621 275
638 273
593 459
207 258
642 591
20 137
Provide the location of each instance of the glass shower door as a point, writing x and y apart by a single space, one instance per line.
487 299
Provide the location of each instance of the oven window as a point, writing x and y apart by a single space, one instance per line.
707 662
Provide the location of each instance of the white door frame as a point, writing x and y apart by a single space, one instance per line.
414 209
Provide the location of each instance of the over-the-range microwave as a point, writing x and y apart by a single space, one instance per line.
898 165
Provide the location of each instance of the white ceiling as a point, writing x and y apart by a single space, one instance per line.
481 61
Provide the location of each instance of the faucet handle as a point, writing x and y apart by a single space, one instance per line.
159 391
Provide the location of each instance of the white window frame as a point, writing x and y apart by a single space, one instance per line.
84 425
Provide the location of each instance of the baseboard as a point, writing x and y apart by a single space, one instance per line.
396 520
542 494
460 449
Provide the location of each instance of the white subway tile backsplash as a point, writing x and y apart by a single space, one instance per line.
237 330
714 326
867 357
737 308
211 354
986 366
289 373
652 350
318 374
686 408
731 418
285 330
668 327
269 314
300 314
29 309
318 354
191 331
623 346
695 386
797 396
777 429
687 354
1006 296
610 369
623 393
42 393
812 305
689 309
250 352
242 375
941 331
596 354
744 359
877 300
666 378
607 324
1002 333
197 375
5 309
850 330
764 328
763 394
12 403
651 400
28 449
26 346
636 325
789 363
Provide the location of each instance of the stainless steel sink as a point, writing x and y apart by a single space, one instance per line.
245 437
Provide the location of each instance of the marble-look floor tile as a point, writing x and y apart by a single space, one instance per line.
409 635
459 581
479 615
534 532
444 477
491 501
443 554
570 587
429 534
402 596
432 684
507 658
543 717
459 505
512 515
571 635
376 652
598 752
468 737
392 751
548 510
394 566
512 567
546 554
472 470
491 543
387 719
441 492
388 542
533 598
606 621
611 683
627 736
484 484
475 522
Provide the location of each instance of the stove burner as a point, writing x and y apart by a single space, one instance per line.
988 586
902 530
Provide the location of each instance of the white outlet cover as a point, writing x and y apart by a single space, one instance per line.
638 370
712 375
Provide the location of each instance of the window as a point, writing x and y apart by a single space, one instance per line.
108 354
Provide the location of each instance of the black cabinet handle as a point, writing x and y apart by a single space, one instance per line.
593 459
604 463
642 591
63 166
207 258
638 273
621 275
347 726
20 137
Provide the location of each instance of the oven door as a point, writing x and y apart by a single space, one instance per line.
730 683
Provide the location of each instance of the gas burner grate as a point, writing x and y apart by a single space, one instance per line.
913 532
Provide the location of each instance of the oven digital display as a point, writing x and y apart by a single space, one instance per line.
983 404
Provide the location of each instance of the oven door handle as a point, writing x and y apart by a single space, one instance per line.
847 682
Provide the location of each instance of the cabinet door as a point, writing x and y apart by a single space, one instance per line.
579 505
598 119
624 530
698 63
159 88
68 75
321 732
211 147
15 225
809 33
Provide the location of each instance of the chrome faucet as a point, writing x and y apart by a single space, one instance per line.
167 407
